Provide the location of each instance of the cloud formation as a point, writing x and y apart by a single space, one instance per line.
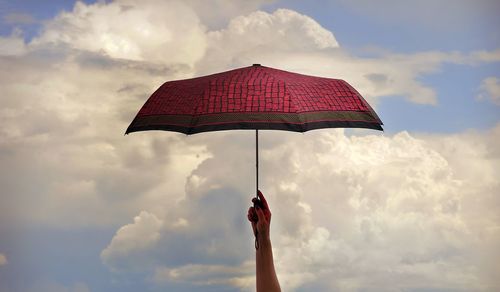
132 239
349 212
155 31
283 31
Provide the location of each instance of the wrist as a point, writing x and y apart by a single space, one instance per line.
264 241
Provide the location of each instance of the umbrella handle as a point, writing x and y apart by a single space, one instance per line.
256 178
256 163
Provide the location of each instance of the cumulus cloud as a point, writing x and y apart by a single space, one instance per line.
490 89
215 14
159 31
132 239
350 213
282 31
3 259
69 141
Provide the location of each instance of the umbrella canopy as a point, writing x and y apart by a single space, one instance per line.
254 97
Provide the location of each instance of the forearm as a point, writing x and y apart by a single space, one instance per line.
267 281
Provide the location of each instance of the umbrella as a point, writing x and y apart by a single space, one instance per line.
258 98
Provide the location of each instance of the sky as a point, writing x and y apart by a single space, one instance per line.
85 208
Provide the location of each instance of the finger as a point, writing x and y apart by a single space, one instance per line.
263 200
252 215
261 215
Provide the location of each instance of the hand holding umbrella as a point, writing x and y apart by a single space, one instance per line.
260 217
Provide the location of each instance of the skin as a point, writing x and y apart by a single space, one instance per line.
260 217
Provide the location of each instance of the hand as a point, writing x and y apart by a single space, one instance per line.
260 217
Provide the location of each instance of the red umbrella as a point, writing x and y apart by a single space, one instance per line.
255 97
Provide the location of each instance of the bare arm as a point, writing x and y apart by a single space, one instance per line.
267 281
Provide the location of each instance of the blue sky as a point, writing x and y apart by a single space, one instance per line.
83 208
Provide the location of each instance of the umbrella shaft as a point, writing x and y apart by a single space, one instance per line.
256 162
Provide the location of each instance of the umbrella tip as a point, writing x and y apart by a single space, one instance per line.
256 65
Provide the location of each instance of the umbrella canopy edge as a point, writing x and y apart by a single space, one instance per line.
256 126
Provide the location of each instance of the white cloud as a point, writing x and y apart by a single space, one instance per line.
284 30
3 259
70 140
490 89
132 239
12 45
386 204
252 38
398 212
157 31
215 14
